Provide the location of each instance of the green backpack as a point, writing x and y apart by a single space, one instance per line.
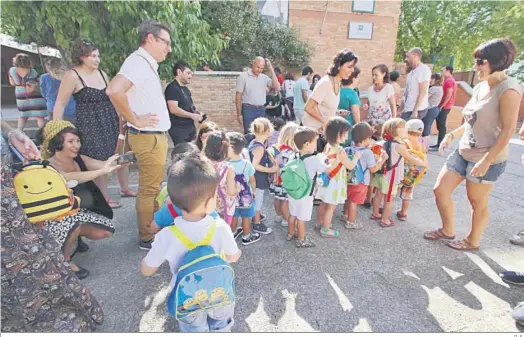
295 179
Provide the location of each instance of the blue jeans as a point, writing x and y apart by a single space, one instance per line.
250 113
462 167
407 115
429 119
214 320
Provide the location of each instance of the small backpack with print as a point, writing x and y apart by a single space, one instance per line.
357 174
245 197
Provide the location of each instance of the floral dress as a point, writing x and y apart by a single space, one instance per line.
336 192
225 204
40 292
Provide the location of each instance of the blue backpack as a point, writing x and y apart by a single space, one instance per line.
357 174
204 280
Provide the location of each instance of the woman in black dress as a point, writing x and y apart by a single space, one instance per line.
97 119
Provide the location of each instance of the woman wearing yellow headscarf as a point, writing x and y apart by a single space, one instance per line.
61 144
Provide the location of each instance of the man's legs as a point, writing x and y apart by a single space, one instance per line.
249 114
441 125
182 134
151 153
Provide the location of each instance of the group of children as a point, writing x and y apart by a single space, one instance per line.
210 189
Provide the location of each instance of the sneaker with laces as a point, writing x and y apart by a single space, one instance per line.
250 238
238 232
279 218
518 313
261 228
513 277
353 225
145 245
434 148
284 223
262 217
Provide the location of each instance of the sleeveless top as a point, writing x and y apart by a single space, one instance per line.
91 198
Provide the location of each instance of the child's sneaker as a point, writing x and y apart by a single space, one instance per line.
250 238
261 228
279 219
262 217
284 223
238 232
353 225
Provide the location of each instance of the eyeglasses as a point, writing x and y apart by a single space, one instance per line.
167 42
479 62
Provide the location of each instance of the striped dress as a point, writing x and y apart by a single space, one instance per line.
30 104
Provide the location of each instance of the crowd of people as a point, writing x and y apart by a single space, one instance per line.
314 145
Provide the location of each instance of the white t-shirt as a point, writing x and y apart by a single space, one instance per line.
146 95
420 74
315 164
288 88
379 107
167 247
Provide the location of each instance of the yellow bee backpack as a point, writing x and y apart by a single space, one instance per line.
413 174
44 193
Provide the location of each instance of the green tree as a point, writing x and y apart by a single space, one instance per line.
251 35
114 26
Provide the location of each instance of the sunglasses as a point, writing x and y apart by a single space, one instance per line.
480 62
87 43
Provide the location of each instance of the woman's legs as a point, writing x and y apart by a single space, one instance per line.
90 232
478 195
21 123
447 182
102 182
40 121
123 180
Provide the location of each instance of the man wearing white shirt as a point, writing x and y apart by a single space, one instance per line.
137 94
417 83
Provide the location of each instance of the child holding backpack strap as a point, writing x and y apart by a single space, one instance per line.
336 133
388 180
360 176
197 247
245 176
285 150
216 149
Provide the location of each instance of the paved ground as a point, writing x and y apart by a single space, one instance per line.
375 279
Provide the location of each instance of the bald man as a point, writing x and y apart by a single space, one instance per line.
417 84
251 92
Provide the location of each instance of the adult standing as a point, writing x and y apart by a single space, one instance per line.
50 84
29 101
393 78
381 97
183 113
435 94
136 92
300 94
251 92
447 102
490 118
417 84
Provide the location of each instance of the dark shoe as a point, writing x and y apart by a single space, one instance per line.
366 205
81 246
252 238
434 148
145 245
238 232
261 228
317 202
513 277
81 273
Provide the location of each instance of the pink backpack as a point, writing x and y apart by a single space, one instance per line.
225 203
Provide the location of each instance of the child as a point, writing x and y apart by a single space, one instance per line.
278 123
417 143
336 133
216 149
285 151
386 183
305 139
242 167
192 183
261 128
361 134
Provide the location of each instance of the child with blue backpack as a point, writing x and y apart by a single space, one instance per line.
360 177
198 249
245 176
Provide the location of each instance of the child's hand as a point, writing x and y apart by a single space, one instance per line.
341 155
357 155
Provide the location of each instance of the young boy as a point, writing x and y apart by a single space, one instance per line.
191 185
416 142
361 134
237 143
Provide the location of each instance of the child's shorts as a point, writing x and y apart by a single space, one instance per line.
245 212
301 209
406 193
219 319
357 193
381 184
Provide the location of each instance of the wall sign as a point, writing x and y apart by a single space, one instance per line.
360 30
363 6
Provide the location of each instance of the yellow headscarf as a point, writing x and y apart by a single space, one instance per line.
51 129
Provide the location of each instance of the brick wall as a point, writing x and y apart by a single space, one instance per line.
307 17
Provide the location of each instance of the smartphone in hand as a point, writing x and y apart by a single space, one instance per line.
126 158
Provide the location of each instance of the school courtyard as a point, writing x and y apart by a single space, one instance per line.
373 279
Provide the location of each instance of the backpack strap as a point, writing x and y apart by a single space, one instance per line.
190 245
172 210
316 173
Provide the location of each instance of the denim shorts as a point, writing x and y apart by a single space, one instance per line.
218 319
245 212
462 167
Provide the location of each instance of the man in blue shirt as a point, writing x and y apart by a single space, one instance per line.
50 84
300 90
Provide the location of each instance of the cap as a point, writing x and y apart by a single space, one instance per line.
415 125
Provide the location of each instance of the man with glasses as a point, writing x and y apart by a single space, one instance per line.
136 92
183 113
448 100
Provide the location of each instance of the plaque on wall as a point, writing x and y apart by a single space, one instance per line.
360 30
363 6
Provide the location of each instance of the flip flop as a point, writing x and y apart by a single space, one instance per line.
113 204
401 216
463 245
437 234
128 194
374 217
385 225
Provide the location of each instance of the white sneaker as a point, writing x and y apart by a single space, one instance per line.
284 223
279 219
518 313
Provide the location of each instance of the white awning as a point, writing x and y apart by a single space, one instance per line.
9 41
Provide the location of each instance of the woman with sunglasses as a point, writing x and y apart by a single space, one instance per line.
490 119
96 117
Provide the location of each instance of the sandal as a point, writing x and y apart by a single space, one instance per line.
385 224
329 233
80 272
113 204
306 243
402 217
290 237
374 217
128 194
437 234
463 245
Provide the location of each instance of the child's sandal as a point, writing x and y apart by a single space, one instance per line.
306 243
385 224
402 217
290 237
374 217
329 233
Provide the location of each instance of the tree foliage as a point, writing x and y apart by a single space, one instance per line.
251 35
456 28
113 25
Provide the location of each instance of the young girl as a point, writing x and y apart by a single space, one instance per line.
336 132
216 149
261 128
278 123
387 182
285 150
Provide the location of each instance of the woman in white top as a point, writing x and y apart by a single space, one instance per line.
289 82
435 93
382 105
